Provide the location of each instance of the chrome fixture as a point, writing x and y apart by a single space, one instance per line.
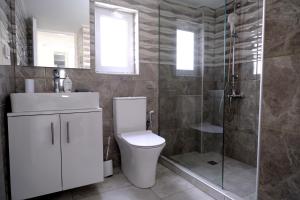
58 78
233 77
150 120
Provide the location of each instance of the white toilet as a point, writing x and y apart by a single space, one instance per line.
139 148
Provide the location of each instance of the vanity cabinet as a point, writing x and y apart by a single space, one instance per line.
51 152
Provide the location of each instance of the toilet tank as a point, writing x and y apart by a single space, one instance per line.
129 114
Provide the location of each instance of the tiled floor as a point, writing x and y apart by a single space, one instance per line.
169 186
239 178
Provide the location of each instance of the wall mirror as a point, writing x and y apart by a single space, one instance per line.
53 33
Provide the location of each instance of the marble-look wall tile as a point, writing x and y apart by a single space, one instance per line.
280 136
280 151
5 31
6 87
282 36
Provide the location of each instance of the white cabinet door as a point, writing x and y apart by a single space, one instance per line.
35 156
82 149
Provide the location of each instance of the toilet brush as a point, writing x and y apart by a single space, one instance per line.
108 165
108 147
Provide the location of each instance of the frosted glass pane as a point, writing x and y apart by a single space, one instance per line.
114 42
185 50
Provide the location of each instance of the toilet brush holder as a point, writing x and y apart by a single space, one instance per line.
108 164
108 168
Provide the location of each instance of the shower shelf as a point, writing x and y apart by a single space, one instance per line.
207 127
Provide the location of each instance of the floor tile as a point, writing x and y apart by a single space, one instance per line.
168 186
115 182
66 195
169 183
190 194
242 183
129 193
251 197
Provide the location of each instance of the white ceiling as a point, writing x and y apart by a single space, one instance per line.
199 3
59 15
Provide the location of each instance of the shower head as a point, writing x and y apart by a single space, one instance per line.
232 21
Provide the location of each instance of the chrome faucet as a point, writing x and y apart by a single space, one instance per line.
56 80
150 120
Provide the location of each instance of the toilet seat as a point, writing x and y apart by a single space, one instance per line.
143 139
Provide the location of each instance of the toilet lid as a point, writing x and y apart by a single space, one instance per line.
143 139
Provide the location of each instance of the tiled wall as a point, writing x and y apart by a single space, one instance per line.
6 87
21 29
280 134
241 117
4 32
180 96
109 86
280 152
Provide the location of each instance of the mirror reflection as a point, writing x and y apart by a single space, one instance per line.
53 33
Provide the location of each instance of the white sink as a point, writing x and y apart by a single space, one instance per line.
35 102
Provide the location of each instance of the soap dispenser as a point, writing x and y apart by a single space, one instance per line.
67 85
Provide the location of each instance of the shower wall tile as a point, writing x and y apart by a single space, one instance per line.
279 171
242 118
280 136
180 96
282 93
283 28
241 145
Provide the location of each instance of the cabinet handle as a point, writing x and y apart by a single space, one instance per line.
68 132
52 133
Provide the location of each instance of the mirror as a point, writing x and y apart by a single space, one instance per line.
5 36
53 33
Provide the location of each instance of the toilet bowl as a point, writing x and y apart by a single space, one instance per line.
140 149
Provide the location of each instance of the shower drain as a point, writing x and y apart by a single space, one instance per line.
212 162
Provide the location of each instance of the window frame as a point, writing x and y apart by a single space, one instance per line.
199 46
193 50
133 67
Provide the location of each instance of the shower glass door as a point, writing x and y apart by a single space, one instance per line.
209 86
243 67
192 84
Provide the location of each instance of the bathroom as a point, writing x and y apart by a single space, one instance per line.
216 81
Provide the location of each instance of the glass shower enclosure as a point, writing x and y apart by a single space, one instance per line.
209 86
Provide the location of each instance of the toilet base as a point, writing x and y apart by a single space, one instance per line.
139 164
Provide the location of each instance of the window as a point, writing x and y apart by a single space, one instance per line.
185 50
116 31
257 67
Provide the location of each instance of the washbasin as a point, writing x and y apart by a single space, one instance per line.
35 102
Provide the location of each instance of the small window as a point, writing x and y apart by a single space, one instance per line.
257 67
116 30
185 50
